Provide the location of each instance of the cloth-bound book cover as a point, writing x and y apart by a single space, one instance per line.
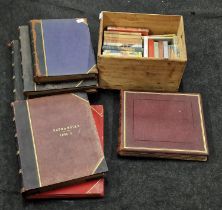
31 88
58 142
165 125
92 188
62 50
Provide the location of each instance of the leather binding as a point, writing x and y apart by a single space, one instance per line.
92 188
62 50
16 70
32 88
162 125
57 146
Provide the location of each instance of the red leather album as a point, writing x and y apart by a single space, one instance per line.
163 125
92 188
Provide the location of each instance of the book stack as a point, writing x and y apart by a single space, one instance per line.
57 57
161 46
135 42
124 41
60 154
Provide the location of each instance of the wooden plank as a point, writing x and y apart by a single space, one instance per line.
158 24
100 42
182 42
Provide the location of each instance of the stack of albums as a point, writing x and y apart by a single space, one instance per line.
60 154
57 57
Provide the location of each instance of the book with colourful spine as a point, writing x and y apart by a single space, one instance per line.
165 49
151 48
133 49
143 31
145 47
156 50
122 53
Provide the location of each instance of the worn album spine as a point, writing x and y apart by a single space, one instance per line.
18 95
26 147
16 70
120 124
26 59
12 46
33 49
18 153
38 65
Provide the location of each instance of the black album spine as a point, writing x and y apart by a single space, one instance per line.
26 59
20 172
17 94
17 71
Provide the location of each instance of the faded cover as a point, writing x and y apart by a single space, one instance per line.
92 188
169 124
16 70
58 142
32 88
62 50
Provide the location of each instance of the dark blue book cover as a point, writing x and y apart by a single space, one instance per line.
62 50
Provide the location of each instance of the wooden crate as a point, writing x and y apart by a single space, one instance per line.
144 74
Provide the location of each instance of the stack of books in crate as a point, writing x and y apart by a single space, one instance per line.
135 42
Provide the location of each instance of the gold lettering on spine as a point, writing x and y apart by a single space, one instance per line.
33 142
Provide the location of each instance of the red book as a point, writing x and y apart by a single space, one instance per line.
163 125
151 48
143 31
92 188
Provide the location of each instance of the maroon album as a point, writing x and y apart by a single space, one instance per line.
164 125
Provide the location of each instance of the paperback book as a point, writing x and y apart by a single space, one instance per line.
123 41
161 46
142 31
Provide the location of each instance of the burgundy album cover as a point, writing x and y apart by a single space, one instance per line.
92 188
54 133
169 125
